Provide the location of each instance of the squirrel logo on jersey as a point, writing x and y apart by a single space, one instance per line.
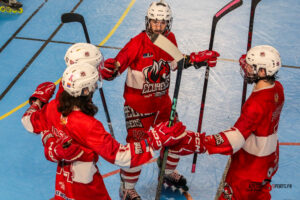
157 77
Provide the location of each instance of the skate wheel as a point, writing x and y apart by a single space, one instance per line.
2 9
20 10
8 9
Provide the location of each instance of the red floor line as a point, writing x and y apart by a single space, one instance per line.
290 143
118 170
153 160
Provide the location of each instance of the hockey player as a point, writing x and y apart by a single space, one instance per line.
147 101
82 138
252 142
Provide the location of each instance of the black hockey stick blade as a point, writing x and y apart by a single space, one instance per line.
221 13
75 17
71 17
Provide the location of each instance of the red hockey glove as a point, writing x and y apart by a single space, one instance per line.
162 135
192 143
67 150
43 92
49 142
109 71
199 59
243 63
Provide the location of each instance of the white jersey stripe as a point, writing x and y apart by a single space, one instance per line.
27 123
235 138
123 157
135 79
261 146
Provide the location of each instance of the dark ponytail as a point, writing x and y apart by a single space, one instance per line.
84 103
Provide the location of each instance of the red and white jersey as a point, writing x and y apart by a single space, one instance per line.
253 141
148 77
89 133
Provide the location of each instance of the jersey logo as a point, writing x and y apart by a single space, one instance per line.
157 77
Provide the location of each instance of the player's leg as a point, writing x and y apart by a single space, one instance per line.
137 125
172 176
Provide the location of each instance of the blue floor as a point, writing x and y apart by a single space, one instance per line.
24 44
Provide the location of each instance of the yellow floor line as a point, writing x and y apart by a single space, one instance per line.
118 23
101 43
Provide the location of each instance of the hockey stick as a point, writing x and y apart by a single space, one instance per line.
226 9
166 45
250 32
75 17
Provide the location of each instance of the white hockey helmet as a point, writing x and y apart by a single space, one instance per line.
266 57
80 79
84 52
159 11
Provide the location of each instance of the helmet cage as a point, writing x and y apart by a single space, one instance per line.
159 11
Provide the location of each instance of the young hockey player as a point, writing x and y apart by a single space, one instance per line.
252 142
147 101
74 138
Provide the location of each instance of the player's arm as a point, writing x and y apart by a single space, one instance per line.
32 119
65 149
137 153
113 67
230 141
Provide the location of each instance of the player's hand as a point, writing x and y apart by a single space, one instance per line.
192 143
66 149
43 92
164 136
242 61
209 57
109 71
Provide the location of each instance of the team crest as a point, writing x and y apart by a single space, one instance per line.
157 78
158 72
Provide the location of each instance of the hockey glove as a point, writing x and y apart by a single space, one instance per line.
54 153
43 92
192 143
243 63
162 135
202 58
67 150
109 71
49 142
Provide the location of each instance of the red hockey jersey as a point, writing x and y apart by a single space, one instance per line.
148 77
82 179
253 140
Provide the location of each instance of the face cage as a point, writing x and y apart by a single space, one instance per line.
250 78
86 92
166 31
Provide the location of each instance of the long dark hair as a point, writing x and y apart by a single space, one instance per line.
84 103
